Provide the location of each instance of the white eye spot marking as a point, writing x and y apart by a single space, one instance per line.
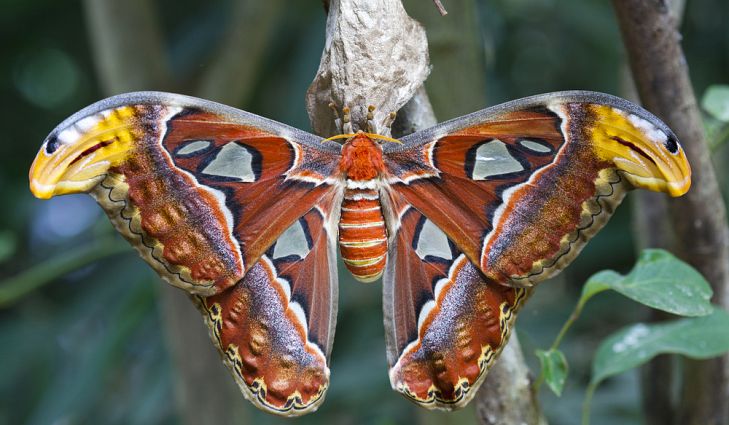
192 147
86 124
493 159
69 136
432 241
233 161
292 242
534 146
646 127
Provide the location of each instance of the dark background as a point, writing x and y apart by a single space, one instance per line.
89 346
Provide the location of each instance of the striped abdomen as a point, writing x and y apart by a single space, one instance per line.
362 234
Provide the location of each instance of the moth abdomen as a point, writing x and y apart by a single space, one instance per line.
362 234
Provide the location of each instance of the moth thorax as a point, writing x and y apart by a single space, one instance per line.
362 234
361 158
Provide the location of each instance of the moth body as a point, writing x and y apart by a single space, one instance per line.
362 232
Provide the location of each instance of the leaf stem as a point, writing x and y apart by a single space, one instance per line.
16 287
571 320
588 401
558 340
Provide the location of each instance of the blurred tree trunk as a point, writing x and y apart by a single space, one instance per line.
699 218
457 85
129 54
204 390
229 77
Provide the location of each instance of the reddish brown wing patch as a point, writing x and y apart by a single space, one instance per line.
464 207
259 174
185 220
549 221
178 227
203 198
312 276
446 322
275 327
247 210
510 195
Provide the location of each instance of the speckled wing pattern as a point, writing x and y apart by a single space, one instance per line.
446 323
276 326
487 205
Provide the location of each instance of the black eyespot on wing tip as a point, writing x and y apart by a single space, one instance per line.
52 144
671 143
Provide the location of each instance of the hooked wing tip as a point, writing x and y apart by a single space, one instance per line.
77 154
642 147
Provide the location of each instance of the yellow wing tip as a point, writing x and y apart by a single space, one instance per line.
639 147
676 189
40 191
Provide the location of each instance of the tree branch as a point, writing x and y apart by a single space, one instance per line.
652 230
661 75
507 395
442 10
415 115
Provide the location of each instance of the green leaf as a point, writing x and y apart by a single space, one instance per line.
599 282
695 337
658 280
716 102
554 369
698 338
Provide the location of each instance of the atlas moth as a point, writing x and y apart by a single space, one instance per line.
460 220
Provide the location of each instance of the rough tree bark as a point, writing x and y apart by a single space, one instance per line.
385 65
699 218
652 229
507 396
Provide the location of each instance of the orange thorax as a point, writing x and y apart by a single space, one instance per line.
361 158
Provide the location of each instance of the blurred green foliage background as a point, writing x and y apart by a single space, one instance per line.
89 346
